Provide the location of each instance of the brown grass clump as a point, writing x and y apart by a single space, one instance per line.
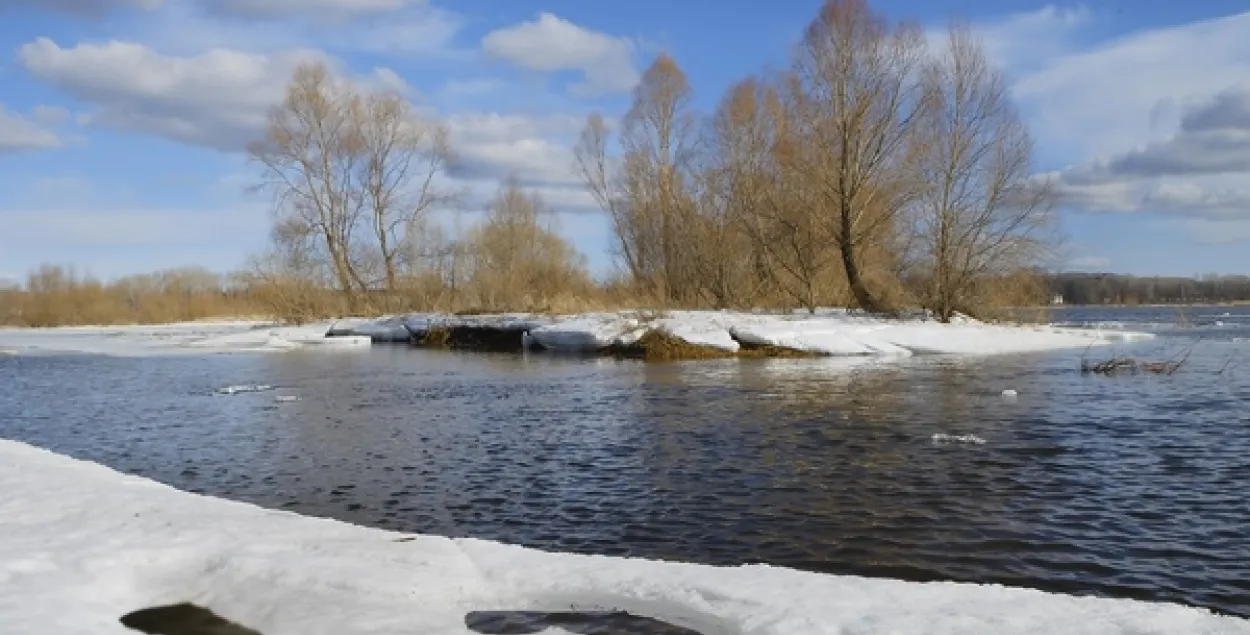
658 346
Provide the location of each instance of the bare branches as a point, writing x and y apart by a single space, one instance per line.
650 193
980 215
855 75
354 168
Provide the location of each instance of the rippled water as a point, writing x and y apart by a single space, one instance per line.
1130 486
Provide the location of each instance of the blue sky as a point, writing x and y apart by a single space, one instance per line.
122 121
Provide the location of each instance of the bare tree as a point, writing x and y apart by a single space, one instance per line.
603 181
311 154
355 168
857 82
658 136
648 193
403 155
756 154
981 217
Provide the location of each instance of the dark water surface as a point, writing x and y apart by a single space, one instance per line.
1129 486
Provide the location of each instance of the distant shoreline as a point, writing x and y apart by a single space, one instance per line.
1236 303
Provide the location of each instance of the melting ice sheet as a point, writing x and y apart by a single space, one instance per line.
82 545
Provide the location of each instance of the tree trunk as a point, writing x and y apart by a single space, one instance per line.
854 279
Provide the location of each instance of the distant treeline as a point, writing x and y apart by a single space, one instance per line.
1110 288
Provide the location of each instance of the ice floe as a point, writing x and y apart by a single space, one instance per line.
243 388
969 439
82 545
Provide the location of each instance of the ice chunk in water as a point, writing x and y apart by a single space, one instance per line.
942 438
242 388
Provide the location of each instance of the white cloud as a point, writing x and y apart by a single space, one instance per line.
537 149
1213 138
551 44
19 132
279 8
1155 122
388 79
424 30
410 28
82 8
217 99
1119 95
1199 172
1022 42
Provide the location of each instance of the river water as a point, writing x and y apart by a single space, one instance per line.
1128 486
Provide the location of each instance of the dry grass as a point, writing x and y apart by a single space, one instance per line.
57 296
657 346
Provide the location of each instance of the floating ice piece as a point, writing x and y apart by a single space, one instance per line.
242 388
972 439
1009 393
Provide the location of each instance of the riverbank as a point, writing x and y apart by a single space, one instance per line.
656 336
84 545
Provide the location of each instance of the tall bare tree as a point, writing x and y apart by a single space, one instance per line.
602 176
858 81
758 161
403 156
981 217
648 191
355 168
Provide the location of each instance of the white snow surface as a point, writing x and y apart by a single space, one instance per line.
831 333
177 338
83 545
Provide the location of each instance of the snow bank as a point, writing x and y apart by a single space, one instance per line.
180 338
83 545
833 333
589 332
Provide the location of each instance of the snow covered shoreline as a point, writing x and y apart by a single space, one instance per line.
182 338
696 333
83 545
